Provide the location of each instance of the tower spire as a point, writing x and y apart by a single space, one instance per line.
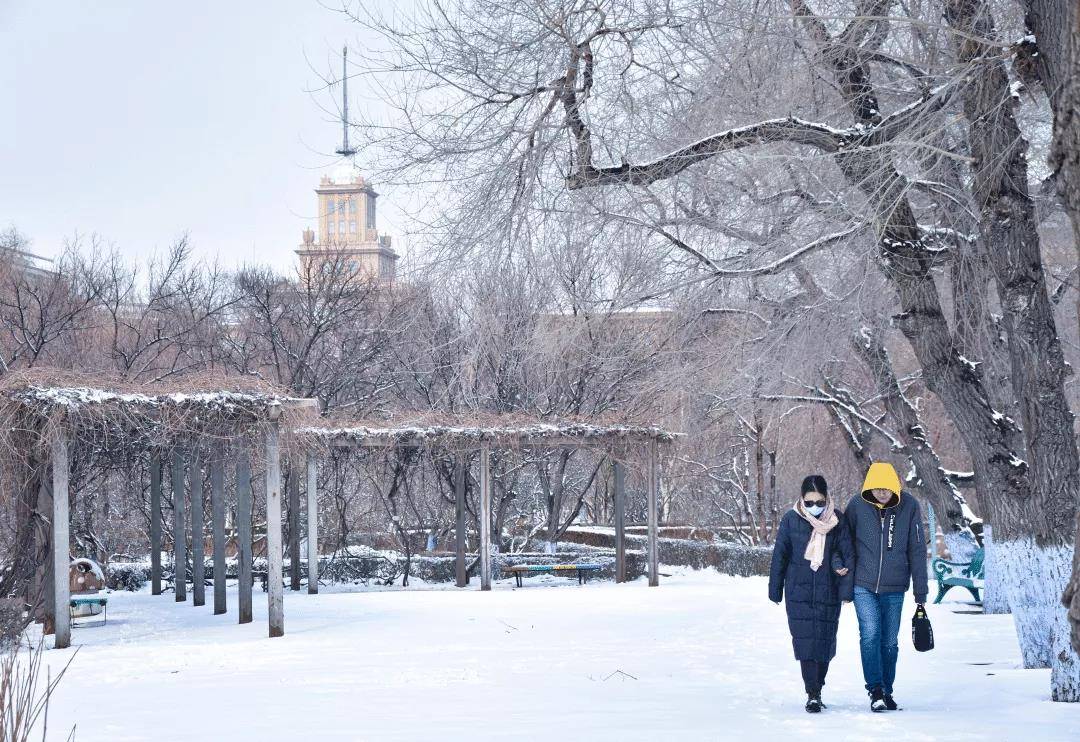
346 150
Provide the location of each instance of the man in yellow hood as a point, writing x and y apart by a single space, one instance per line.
890 554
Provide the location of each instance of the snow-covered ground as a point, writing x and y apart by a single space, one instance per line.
703 656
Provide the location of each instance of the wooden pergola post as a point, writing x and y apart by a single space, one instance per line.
275 587
61 554
312 525
294 523
243 535
45 505
179 527
654 487
485 517
155 523
198 535
217 516
618 476
461 571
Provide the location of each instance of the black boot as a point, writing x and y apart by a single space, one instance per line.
813 703
890 703
877 700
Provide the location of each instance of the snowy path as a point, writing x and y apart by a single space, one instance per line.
709 657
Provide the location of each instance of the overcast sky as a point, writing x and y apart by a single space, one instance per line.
140 121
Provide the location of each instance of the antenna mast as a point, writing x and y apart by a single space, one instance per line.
346 150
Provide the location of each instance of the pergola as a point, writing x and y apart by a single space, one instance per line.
42 417
41 421
463 436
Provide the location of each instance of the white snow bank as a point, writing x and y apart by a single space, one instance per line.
702 657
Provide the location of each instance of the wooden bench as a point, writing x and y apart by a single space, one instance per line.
77 601
582 570
959 574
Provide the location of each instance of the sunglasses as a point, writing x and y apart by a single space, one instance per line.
812 503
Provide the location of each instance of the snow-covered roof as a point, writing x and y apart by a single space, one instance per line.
489 429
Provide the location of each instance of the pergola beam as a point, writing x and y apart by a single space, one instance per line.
507 441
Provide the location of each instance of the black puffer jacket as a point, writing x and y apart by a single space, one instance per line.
890 544
812 598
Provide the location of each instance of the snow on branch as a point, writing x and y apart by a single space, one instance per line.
775 265
791 130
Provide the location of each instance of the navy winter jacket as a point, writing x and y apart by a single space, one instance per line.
890 545
812 597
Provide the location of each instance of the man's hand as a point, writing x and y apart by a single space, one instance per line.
842 571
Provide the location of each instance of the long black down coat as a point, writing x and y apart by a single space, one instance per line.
813 597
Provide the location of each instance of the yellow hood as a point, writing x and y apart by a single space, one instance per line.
882 476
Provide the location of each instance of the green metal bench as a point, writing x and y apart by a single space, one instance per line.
78 601
582 570
959 574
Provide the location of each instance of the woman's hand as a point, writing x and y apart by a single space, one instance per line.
842 571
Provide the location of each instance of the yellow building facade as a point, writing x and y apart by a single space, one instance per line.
347 227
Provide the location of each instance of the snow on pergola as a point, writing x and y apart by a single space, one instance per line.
462 435
44 413
468 433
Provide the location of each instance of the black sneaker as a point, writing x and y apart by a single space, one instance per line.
890 703
877 700
813 703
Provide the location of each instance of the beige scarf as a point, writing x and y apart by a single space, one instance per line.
815 548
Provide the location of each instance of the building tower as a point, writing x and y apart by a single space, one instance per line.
348 234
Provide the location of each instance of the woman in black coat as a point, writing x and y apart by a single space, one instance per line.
811 565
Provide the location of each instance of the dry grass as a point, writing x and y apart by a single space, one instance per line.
24 698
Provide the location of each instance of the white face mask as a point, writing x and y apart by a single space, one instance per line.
816 510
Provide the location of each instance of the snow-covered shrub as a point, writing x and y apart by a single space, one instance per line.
129 576
362 564
728 559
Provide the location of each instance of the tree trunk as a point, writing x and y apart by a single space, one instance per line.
1034 534
935 484
1057 25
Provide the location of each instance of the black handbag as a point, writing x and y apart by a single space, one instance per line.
922 633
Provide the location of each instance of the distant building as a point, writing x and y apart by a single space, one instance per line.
347 230
27 262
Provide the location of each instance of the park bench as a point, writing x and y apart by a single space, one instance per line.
959 574
582 570
78 601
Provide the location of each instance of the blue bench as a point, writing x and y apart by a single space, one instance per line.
959 574
582 570
78 601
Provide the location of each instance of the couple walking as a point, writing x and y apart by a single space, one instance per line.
867 554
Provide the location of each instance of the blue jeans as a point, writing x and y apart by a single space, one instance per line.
879 629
